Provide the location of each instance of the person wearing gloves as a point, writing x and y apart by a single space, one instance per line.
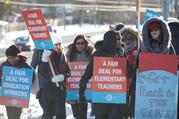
17 61
52 93
107 49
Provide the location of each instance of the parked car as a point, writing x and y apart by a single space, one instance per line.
25 43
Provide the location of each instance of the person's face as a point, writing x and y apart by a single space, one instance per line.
58 47
155 33
127 40
80 44
118 44
12 59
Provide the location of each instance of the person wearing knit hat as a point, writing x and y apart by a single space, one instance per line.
16 61
13 50
11 53
154 25
155 31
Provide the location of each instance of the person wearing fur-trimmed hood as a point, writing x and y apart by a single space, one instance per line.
131 39
161 44
156 38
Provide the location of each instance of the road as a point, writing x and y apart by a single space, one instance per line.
66 40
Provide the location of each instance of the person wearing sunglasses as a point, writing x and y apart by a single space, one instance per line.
79 50
131 39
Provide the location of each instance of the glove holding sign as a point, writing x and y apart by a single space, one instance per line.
58 78
45 55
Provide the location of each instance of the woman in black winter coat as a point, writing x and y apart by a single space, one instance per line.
79 50
52 93
108 49
17 61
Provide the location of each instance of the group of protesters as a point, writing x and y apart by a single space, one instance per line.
120 41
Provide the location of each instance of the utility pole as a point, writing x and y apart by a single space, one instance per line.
177 8
64 17
166 12
138 14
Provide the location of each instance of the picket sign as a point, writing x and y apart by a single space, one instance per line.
52 70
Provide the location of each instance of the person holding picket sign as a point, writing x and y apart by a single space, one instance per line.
107 49
52 93
79 51
17 61
156 39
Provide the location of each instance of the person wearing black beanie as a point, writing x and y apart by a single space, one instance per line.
13 50
16 61
107 48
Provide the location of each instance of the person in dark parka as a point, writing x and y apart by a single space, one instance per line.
156 38
174 28
153 44
108 49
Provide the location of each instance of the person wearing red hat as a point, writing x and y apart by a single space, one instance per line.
17 61
156 38
155 31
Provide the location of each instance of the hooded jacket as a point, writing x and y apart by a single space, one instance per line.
165 46
106 48
133 47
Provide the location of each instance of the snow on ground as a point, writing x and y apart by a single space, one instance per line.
34 111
